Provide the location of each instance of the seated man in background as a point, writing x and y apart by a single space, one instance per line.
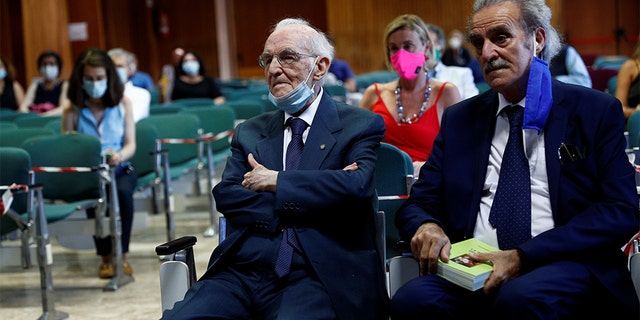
138 78
342 71
461 77
568 67
140 98
297 192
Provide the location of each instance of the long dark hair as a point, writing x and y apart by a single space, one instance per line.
95 57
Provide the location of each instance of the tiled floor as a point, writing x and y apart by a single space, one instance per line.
79 291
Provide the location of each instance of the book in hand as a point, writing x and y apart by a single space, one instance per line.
463 271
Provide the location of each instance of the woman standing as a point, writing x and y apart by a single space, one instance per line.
413 104
47 95
98 107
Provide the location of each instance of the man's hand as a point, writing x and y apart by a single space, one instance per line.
353 166
428 244
259 178
506 265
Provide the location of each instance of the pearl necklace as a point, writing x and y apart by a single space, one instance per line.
425 103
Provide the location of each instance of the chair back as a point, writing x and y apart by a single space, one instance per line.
336 91
364 80
66 150
609 62
16 137
160 108
195 102
15 167
4 125
633 127
393 176
176 126
215 120
246 108
600 77
143 159
39 121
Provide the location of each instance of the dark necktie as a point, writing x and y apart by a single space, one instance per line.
289 239
511 208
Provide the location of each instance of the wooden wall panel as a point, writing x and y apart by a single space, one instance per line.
11 41
90 12
45 28
129 25
590 25
254 19
358 29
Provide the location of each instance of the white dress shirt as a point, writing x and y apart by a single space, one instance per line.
541 215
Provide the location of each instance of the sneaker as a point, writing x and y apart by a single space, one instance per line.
126 268
106 271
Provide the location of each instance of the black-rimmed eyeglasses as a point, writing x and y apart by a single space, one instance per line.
284 57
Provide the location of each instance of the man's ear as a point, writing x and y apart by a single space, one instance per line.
322 68
541 40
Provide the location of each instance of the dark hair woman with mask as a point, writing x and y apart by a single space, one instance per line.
98 107
46 95
412 105
11 91
192 81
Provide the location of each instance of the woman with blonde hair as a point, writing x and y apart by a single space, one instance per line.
411 105
628 84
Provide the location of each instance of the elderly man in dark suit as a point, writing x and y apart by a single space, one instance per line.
303 239
559 198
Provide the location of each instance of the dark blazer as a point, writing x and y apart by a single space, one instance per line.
593 200
331 209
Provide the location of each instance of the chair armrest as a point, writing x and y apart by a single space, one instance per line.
176 245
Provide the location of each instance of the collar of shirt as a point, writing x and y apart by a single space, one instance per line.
307 115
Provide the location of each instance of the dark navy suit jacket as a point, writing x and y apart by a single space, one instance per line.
331 209
593 199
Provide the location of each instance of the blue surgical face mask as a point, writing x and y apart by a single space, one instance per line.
191 67
122 74
49 72
3 73
95 89
539 96
295 100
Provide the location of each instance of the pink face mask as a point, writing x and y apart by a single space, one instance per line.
408 64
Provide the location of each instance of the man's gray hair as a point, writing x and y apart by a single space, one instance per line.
119 52
535 14
317 43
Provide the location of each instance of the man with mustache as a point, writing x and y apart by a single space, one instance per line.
533 166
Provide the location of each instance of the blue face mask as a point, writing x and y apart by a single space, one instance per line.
49 72
296 99
191 67
95 89
3 73
539 96
122 74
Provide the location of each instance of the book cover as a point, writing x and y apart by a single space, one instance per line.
463 271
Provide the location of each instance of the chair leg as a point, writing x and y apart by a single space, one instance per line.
44 262
120 278
210 232
167 198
